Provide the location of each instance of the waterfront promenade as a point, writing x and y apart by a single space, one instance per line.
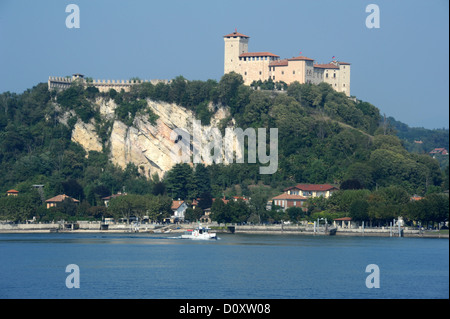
95 227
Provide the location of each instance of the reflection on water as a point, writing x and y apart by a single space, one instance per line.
142 265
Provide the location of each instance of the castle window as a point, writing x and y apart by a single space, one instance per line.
293 72
334 75
259 72
327 75
245 73
274 77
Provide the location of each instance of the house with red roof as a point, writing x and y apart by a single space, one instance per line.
311 190
416 197
12 192
286 201
179 209
57 200
439 151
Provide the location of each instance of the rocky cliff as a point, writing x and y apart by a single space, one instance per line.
149 146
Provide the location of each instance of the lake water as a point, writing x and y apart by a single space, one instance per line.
237 266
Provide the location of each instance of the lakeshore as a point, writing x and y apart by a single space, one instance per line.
97 227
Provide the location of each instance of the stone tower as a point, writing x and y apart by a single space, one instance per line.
235 44
344 77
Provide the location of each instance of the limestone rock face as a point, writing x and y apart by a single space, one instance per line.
152 148
85 135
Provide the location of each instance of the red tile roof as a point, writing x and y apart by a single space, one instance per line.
236 34
316 187
113 196
300 58
343 63
313 187
439 150
326 66
283 62
12 191
290 196
176 204
258 54
61 198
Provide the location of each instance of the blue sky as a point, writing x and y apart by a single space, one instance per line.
402 67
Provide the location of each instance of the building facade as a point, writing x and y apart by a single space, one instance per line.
286 201
254 66
311 190
58 200
179 209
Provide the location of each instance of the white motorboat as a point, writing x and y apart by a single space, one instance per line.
199 233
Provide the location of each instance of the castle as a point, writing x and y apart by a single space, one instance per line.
62 83
254 66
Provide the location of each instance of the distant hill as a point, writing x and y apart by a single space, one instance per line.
421 140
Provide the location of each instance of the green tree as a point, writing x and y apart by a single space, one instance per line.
202 178
219 211
193 215
437 206
359 210
127 206
18 208
295 214
205 201
179 182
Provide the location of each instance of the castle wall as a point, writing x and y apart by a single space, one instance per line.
309 72
318 76
254 69
331 76
344 78
62 83
234 46
59 83
302 71
294 71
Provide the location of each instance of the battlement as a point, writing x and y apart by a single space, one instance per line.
63 83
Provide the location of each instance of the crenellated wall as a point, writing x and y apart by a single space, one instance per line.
62 83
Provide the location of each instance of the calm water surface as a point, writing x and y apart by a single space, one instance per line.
233 267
